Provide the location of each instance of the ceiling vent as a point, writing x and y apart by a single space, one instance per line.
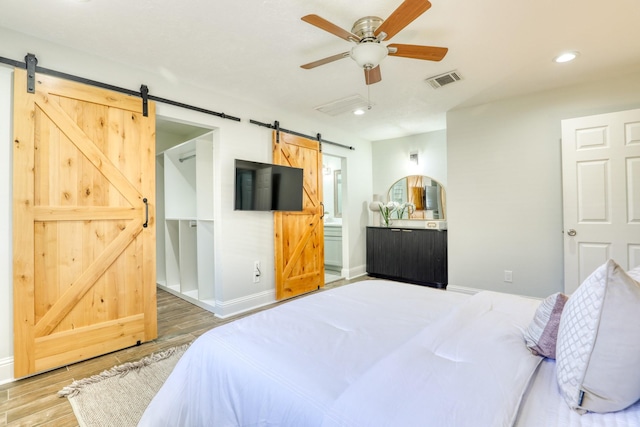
345 105
444 79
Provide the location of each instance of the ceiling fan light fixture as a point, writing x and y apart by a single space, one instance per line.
368 55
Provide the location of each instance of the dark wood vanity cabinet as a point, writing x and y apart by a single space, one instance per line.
408 254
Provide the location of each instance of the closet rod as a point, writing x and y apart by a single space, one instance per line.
324 141
19 64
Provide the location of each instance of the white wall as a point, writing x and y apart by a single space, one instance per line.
391 159
6 267
241 237
504 194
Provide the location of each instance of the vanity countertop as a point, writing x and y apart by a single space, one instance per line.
418 224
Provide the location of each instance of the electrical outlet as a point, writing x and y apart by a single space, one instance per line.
508 276
256 272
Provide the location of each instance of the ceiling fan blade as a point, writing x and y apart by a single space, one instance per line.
372 75
429 53
402 16
323 24
323 61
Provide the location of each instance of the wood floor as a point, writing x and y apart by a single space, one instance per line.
34 401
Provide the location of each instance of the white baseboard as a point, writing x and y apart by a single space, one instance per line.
352 273
237 306
240 305
6 370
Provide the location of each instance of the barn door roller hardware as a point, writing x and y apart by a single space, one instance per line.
144 93
31 61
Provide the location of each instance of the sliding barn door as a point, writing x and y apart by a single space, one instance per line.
83 235
299 236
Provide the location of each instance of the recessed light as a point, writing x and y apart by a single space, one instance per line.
566 57
358 112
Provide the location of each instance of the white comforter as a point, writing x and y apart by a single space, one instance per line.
366 354
471 368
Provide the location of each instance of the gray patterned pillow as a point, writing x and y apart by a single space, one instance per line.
598 350
542 333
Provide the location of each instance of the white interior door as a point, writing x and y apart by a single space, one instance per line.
601 193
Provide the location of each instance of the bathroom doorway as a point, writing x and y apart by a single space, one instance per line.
333 204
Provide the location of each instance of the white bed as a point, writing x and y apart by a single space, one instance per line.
372 353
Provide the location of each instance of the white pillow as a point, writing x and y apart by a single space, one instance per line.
635 273
598 348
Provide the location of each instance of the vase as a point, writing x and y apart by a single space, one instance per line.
374 206
385 214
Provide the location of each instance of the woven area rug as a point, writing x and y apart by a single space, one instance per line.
119 396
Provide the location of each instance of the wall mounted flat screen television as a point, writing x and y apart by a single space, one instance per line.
267 187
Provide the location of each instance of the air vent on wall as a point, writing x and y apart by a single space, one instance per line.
444 79
344 105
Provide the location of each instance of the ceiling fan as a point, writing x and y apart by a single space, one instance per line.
369 32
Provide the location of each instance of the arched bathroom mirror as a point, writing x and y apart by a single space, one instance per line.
424 192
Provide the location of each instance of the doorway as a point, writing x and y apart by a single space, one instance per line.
184 212
332 171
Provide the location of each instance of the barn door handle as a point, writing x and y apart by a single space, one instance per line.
572 232
146 213
322 204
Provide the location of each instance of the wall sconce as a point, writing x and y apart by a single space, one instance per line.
413 157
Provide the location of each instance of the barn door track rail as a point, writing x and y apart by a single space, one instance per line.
276 126
31 65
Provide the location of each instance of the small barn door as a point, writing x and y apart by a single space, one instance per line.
299 236
83 223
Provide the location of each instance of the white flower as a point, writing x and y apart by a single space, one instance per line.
407 206
386 210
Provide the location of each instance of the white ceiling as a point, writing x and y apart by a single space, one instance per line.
253 50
